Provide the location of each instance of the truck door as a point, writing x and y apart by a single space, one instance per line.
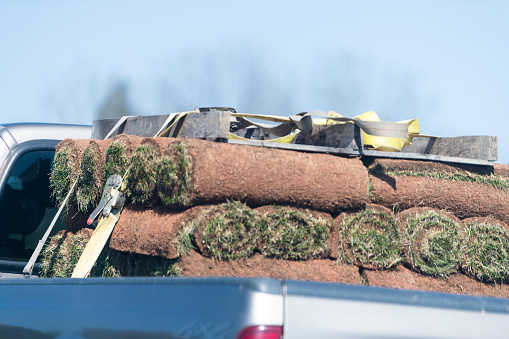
26 207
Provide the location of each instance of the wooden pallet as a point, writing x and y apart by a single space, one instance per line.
339 139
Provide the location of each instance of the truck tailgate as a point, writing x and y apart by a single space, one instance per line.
321 310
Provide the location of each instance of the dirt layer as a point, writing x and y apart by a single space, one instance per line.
501 171
150 231
261 176
463 199
325 270
75 219
384 166
404 278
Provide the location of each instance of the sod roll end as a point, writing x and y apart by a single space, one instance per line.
142 173
434 242
227 231
294 233
487 253
369 238
174 173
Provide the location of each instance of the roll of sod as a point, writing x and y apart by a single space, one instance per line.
434 242
197 172
487 253
292 233
369 238
462 198
174 175
66 167
155 232
142 173
226 231
91 176
62 252
430 168
261 176
113 263
118 153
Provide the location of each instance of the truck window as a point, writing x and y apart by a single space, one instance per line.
26 207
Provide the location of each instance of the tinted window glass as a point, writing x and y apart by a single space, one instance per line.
26 208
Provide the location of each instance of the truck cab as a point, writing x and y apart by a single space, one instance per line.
26 206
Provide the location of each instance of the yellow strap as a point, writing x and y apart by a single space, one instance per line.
379 143
287 139
96 244
273 118
180 116
389 144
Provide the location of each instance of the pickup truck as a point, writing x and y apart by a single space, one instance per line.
168 307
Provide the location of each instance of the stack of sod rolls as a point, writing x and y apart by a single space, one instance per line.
190 201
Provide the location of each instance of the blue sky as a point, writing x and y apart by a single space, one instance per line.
443 62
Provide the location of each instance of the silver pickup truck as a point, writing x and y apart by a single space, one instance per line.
193 307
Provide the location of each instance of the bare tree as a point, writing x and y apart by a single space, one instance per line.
351 86
233 79
116 103
250 82
244 80
73 100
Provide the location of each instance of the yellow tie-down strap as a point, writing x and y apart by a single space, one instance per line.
378 135
387 143
96 244
384 136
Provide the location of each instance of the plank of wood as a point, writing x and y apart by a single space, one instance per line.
213 125
253 133
143 126
367 153
337 135
471 147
